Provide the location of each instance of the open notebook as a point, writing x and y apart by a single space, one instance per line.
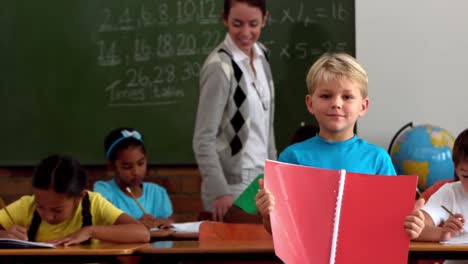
188 227
332 216
461 239
15 243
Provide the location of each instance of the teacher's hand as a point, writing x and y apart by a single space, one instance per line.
221 206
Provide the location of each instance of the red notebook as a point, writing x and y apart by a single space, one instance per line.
332 216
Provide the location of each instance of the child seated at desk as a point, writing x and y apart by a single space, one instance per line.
440 224
126 155
62 212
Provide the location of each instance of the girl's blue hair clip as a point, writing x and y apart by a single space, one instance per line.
125 134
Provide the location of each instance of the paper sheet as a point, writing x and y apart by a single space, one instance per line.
462 239
16 243
188 227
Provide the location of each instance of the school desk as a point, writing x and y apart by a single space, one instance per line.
208 250
434 250
172 235
94 252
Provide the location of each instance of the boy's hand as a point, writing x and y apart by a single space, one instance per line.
220 207
264 200
15 232
414 223
454 226
79 236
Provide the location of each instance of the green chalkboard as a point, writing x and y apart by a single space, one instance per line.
72 70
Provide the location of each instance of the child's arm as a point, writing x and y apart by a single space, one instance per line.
430 232
125 230
265 202
163 209
12 221
452 227
14 232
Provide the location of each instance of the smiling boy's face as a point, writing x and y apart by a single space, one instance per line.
337 104
462 173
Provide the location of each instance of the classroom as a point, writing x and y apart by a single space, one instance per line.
86 67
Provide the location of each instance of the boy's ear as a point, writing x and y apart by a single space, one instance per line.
364 106
308 101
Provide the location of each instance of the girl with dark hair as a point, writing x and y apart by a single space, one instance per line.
127 158
62 212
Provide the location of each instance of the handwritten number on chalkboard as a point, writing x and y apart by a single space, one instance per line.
107 54
163 14
146 16
133 78
106 24
212 38
142 50
339 12
164 45
125 21
187 44
190 70
170 69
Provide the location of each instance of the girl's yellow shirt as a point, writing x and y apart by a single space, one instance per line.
22 210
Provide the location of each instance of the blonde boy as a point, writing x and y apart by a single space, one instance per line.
337 97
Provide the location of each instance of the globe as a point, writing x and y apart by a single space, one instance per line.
426 151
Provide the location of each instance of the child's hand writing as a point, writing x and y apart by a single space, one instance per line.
264 200
15 232
163 223
454 226
79 236
150 221
414 223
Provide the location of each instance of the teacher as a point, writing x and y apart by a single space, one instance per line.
234 126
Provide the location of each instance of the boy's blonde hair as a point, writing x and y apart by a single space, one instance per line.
336 66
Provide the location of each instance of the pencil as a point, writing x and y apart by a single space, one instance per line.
420 194
452 214
136 200
447 210
2 204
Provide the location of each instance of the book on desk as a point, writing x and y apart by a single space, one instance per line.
188 227
461 239
16 243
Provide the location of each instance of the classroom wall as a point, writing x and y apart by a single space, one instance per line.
416 55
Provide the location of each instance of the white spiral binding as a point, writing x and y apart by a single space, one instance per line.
336 221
